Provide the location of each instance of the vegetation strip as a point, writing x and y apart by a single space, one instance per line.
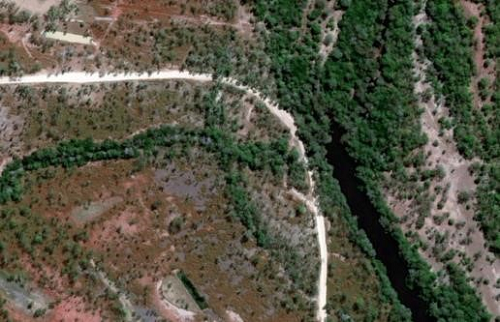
256 156
199 299
283 116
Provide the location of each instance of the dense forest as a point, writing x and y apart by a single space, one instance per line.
296 70
366 86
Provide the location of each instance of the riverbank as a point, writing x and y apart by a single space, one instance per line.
369 219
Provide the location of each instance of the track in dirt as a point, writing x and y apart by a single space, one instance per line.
172 74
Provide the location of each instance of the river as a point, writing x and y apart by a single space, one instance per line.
344 170
368 220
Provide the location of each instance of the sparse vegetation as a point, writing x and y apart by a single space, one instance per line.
269 157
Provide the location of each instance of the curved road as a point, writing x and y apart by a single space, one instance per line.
172 74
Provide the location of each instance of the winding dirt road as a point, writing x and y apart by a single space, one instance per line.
172 74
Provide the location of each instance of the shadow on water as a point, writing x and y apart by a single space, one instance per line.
368 219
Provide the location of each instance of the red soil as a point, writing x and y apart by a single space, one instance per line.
37 273
113 228
14 33
137 9
136 181
116 12
72 309
18 37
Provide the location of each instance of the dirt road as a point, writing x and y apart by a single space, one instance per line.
171 74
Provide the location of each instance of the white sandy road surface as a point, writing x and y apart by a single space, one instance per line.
83 77
68 37
285 117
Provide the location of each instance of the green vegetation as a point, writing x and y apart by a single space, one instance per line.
59 13
449 46
371 96
381 118
198 298
3 312
366 86
488 193
297 77
275 158
225 9
13 61
101 111
381 139
271 157
488 199
493 33
246 211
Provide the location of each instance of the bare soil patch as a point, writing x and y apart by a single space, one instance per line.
93 210
184 185
23 298
73 308
233 316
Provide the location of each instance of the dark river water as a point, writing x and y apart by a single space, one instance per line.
368 220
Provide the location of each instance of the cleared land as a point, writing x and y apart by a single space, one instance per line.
69 37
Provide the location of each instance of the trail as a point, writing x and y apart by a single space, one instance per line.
171 74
